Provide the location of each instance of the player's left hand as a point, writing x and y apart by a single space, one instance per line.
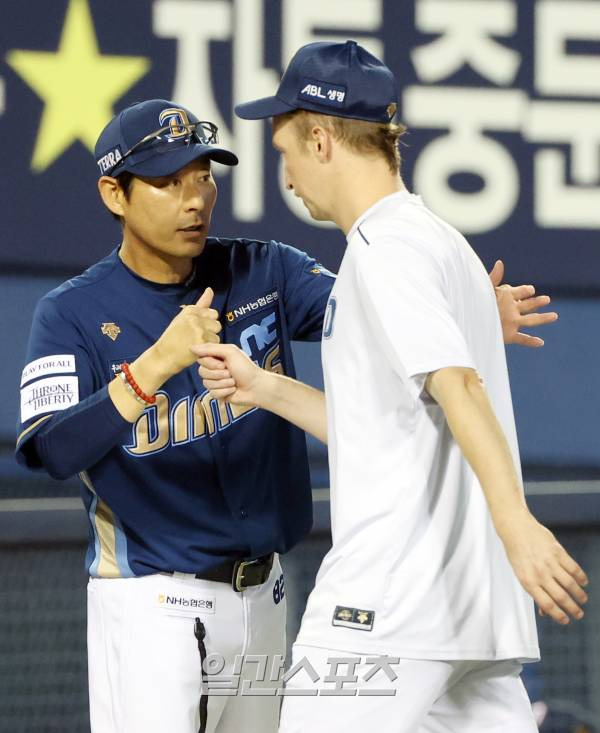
518 306
544 568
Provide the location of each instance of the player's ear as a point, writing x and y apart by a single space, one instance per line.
111 194
321 143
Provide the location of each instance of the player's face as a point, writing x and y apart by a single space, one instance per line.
302 171
171 214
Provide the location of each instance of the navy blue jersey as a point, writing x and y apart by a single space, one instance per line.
193 482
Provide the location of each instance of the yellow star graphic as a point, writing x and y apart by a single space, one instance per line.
78 85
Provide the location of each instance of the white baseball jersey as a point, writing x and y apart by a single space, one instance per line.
416 568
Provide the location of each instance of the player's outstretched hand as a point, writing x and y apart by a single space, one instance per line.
228 373
518 306
194 325
545 569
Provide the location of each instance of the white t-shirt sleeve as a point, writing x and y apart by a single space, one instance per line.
406 302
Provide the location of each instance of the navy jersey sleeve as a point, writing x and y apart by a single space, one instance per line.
62 403
307 286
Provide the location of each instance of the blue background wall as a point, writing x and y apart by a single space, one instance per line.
502 99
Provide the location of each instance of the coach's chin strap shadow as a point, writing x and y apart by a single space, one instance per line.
200 633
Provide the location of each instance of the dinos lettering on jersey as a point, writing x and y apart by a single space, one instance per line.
194 417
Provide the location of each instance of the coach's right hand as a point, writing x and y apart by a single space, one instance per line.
194 325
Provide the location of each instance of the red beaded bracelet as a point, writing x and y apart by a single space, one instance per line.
148 399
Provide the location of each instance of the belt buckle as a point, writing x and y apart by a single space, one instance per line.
238 574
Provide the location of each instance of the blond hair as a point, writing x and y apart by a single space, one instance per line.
369 138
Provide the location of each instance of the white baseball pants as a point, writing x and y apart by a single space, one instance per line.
428 696
145 672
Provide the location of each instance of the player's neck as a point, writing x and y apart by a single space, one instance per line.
362 185
153 265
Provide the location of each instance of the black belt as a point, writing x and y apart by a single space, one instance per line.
240 574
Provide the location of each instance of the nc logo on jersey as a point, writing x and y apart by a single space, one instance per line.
176 119
263 334
329 317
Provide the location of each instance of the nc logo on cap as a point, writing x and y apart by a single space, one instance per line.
176 119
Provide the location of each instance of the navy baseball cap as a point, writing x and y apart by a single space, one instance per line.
156 138
341 79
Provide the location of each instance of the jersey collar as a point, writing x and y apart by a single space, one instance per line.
397 196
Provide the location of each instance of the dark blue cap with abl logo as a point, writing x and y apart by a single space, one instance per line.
156 138
341 79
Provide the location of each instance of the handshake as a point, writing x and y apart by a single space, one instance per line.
229 375
232 376
193 336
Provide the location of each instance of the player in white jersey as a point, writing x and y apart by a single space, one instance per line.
417 621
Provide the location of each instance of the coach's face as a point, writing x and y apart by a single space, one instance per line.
302 170
172 214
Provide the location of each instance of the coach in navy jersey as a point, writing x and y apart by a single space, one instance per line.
174 482
189 500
